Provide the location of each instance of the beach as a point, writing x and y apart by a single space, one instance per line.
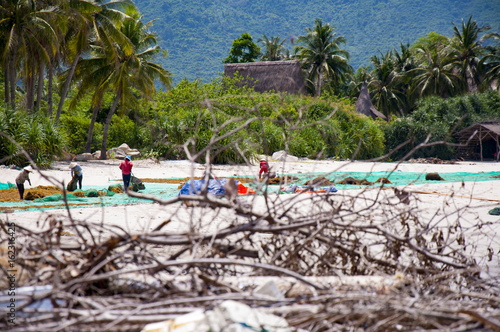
469 202
379 241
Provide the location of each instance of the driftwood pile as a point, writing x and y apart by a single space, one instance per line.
312 246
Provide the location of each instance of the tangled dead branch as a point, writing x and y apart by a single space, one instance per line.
316 242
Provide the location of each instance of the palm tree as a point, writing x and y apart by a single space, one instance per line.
322 56
91 20
355 80
23 24
435 75
466 50
491 61
112 68
385 88
274 48
404 62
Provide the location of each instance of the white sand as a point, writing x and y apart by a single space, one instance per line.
470 203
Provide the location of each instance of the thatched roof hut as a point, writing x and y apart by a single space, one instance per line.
364 104
278 76
481 140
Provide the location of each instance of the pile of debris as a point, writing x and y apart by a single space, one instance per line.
312 262
431 160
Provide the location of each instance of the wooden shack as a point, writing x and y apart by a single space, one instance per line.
480 141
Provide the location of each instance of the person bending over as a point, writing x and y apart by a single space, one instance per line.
76 170
21 178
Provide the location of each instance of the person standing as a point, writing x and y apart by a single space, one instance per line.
76 170
264 168
126 167
21 178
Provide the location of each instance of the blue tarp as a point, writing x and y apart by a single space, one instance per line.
194 187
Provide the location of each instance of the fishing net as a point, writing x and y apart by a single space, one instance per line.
169 188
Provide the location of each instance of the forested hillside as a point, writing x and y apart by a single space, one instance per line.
198 34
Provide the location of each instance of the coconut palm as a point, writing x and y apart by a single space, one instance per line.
466 50
385 85
91 20
23 25
355 80
404 62
112 68
435 74
321 55
491 61
274 49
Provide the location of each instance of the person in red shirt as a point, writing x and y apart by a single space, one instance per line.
264 168
126 167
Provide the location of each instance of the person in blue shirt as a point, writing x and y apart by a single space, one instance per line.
76 170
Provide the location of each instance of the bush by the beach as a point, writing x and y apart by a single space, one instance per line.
36 134
76 127
258 123
440 118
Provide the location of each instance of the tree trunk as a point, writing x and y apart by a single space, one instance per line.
13 83
39 92
49 88
95 110
30 89
106 126
66 86
320 79
6 82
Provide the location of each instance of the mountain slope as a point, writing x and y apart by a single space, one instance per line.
198 34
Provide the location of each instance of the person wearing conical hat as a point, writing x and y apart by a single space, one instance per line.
23 177
76 170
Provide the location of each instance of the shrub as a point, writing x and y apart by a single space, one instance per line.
76 128
441 118
36 134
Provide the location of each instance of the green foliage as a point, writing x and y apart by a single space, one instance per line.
440 118
432 41
124 130
37 135
76 128
416 132
193 115
243 50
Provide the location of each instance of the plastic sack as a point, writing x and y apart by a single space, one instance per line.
226 316
332 189
91 193
72 184
136 184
